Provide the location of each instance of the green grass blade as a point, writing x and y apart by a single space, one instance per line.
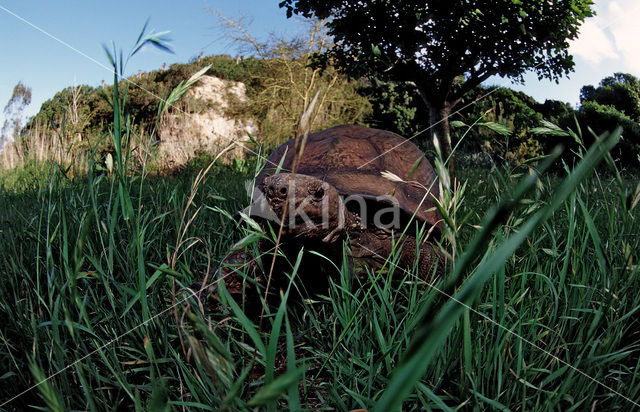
432 333
271 392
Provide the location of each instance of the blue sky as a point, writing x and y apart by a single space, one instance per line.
48 66
608 42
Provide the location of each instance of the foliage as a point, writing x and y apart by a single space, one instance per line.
522 115
29 178
86 111
97 310
81 116
621 91
554 110
103 264
447 48
435 323
517 113
600 118
223 66
398 108
615 102
395 107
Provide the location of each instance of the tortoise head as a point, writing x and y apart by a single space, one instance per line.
310 207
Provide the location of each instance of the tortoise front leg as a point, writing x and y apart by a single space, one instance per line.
239 273
376 246
431 262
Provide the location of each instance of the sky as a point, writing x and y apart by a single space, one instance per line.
608 43
52 45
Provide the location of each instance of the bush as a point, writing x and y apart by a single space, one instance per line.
554 110
601 118
507 110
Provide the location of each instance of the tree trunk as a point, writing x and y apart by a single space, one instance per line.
439 127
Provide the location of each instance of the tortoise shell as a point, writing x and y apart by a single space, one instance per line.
352 158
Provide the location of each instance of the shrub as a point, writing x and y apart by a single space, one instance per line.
601 118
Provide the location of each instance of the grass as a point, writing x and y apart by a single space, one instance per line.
539 311
80 278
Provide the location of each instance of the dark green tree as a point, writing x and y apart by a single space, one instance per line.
395 106
615 102
446 48
621 91
554 110
602 118
509 113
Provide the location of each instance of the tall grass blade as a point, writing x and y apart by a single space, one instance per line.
269 393
430 335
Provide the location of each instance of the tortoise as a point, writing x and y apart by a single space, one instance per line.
338 193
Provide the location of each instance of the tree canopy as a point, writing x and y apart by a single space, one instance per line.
446 48
615 102
621 91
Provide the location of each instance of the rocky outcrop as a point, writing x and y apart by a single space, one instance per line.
185 133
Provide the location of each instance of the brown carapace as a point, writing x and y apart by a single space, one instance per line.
330 190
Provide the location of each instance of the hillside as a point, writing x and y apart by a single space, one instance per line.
264 99
183 134
235 98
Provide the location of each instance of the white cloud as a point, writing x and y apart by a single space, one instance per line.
611 37
593 44
626 32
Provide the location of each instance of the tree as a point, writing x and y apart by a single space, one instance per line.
621 91
504 118
615 102
446 48
554 110
602 118
395 106
20 98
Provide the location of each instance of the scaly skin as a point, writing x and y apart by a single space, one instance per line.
374 246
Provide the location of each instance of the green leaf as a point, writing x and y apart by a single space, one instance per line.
254 225
549 129
52 397
434 398
144 29
497 128
110 56
243 320
210 336
7 375
284 156
182 87
159 397
294 395
235 389
415 167
495 405
247 240
269 393
457 124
